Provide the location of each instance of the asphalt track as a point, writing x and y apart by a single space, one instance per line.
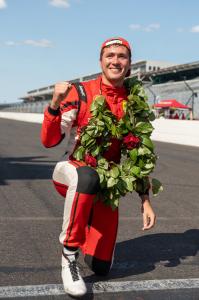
163 263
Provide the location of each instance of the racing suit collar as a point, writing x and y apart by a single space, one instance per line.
109 90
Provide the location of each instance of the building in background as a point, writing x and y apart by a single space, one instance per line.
162 80
180 82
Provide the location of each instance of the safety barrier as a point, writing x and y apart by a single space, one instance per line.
184 132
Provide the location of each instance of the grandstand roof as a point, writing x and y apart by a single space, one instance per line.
174 73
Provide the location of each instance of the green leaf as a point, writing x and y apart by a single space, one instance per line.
114 172
100 123
142 93
143 150
129 184
135 170
100 171
111 182
151 116
122 186
141 163
99 101
148 143
90 143
116 202
90 132
107 119
95 151
133 155
129 125
135 88
130 98
127 164
156 186
129 83
113 130
90 126
149 165
85 137
143 127
145 172
101 176
79 153
102 163
143 115
133 178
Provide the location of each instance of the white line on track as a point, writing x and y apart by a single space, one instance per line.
100 287
121 218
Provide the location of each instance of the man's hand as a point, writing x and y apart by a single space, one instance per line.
60 92
149 216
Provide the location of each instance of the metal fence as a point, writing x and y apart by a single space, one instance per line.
185 92
25 107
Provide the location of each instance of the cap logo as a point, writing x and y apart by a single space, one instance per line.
113 42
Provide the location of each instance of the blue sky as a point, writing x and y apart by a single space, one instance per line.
45 41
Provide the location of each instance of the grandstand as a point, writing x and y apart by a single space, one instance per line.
45 93
161 80
179 82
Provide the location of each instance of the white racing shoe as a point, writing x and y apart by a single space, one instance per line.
74 284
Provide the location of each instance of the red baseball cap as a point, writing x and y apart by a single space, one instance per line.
116 41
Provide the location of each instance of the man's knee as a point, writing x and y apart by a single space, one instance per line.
88 180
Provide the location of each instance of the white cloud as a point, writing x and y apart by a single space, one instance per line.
195 28
60 3
40 43
151 27
135 27
2 4
10 43
148 28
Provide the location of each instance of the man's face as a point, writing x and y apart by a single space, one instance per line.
115 63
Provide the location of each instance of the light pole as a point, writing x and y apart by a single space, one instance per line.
192 97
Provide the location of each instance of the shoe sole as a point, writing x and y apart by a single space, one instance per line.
74 295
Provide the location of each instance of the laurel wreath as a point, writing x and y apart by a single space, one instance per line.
138 161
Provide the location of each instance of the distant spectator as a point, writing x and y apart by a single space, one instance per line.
183 116
176 116
171 114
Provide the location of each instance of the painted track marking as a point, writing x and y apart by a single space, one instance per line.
100 287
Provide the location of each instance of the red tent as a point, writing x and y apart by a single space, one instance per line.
170 103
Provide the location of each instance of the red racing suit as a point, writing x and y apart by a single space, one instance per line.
86 224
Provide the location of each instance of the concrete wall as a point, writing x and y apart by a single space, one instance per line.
165 130
182 132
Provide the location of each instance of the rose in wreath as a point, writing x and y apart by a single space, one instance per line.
131 141
90 160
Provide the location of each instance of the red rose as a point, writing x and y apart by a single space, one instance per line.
90 160
131 141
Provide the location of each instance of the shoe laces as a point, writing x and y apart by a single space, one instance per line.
74 270
72 264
